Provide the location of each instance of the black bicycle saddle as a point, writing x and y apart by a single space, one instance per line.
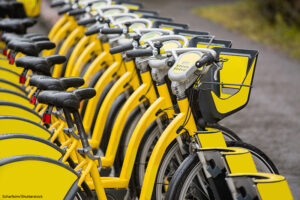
30 48
7 37
12 9
40 65
16 25
59 84
70 99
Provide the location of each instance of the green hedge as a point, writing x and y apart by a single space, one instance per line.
288 10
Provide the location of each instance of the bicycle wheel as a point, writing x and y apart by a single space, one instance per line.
189 183
188 175
148 142
143 155
80 196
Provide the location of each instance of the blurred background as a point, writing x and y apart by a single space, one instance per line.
271 121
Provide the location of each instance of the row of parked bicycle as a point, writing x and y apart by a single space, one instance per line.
120 103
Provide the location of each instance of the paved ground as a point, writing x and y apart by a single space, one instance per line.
271 119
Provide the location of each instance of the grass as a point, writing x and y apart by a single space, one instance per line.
244 18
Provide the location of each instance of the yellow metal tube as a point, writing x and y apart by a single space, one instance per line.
57 26
114 92
127 108
91 50
148 117
71 40
107 77
83 42
97 65
164 141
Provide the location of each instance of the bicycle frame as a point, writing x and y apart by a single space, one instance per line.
126 80
62 34
62 20
70 41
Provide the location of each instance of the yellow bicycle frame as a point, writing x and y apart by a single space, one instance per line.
93 49
164 101
62 20
62 34
142 93
115 70
120 86
70 41
79 48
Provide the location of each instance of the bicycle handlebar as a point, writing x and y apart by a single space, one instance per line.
76 12
147 22
169 37
109 7
139 53
183 50
58 3
206 59
147 30
65 10
92 31
121 48
84 22
112 31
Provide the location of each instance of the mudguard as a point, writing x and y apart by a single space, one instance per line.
20 125
18 110
37 176
12 86
11 96
21 144
9 75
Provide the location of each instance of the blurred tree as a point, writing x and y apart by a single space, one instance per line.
288 10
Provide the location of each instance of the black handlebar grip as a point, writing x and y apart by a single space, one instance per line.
65 10
75 12
84 22
121 48
92 31
57 3
206 59
139 53
112 31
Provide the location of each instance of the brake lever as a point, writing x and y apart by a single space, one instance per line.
219 66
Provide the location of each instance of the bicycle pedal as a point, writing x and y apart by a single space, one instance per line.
105 171
115 193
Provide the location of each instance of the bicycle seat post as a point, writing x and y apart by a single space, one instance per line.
81 132
71 128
